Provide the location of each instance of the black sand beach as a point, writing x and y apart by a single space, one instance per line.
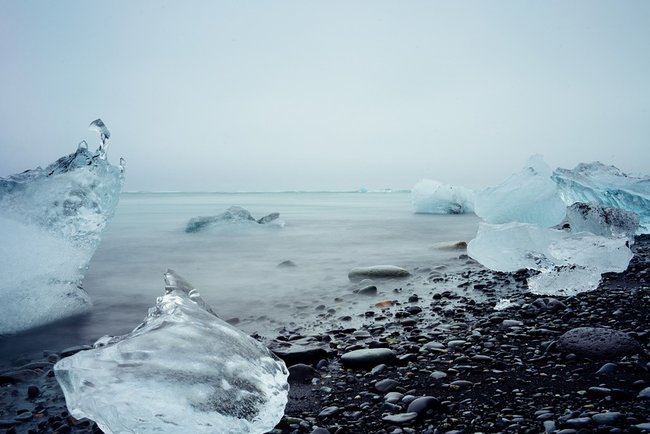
442 363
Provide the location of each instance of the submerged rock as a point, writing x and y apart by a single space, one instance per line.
182 370
234 214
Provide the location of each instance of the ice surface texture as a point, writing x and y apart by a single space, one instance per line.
234 214
183 370
433 197
608 186
604 221
529 196
569 263
50 225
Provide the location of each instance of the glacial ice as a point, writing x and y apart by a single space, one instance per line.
50 224
182 370
529 196
234 214
601 220
607 186
432 197
568 262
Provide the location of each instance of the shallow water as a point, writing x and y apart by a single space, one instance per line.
235 265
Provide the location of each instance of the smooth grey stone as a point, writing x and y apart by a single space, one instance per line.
367 290
386 385
579 422
607 369
368 358
320 431
644 394
393 397
422 404
400 418
378 272
301 373
329 411
549 426
608 418
437 375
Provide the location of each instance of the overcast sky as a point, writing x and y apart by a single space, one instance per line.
326 95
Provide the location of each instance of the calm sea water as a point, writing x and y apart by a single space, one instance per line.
235 267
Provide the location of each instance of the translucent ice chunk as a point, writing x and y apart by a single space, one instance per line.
529 196
183 370
569 262
600 220
50 225
608 186
433 197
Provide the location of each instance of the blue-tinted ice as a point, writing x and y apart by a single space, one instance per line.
183 370
234 214
50 225
607 186
433 197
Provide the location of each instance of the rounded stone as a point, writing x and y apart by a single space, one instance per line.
598 342
368 358
378 272
386 385
423 404
400 418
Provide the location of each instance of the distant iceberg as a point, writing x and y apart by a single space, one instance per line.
183 370
607 186
50 224
529 196
234 214
433 197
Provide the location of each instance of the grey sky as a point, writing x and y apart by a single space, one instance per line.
327 95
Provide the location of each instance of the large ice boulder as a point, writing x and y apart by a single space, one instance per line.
50 225
608 186
529 196
569 263
432 197
233 215
601 220
183 370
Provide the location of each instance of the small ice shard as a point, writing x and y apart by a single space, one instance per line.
432 197
601 220
529 196
183 370
50 225
99 126
234 214
607 186
569 262
504 304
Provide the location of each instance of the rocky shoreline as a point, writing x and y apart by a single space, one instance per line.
441 363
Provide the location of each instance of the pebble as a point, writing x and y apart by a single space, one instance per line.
368 358
386 385
608 418
400 418
422 404
598 342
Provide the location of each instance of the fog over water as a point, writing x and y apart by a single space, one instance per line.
291 95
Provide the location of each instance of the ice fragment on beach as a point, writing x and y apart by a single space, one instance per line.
608 186
569 263
504 304
234 214
50 225
182 370
604 221
529 196
432 197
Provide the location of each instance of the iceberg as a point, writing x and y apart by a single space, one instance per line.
432 197
51 220
607 186
182 370
234 214
529 196
568 262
